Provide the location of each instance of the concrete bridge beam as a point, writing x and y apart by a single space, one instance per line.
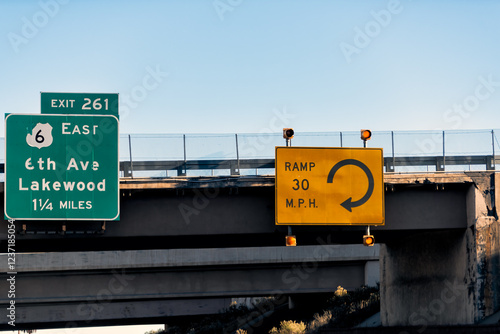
126 286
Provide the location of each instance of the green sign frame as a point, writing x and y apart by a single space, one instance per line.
61 167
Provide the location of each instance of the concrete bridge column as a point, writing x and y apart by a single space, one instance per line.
425 280
445 277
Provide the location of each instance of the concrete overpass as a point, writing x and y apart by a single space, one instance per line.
238 211
438 257
119 287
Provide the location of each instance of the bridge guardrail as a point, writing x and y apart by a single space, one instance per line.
237 167
219 154
165 155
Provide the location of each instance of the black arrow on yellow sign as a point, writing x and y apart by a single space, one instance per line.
349 203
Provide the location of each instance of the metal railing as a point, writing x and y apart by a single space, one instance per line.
165 155
253 154
231 166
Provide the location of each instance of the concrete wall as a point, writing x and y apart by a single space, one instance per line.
424 280
484 236
446 277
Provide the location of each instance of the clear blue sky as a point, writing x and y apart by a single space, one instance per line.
230 66
236 66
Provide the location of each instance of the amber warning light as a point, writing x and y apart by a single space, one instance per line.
291 240
366 134
288 133
368 240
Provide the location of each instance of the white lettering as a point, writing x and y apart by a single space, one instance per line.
68 186
72 205
72 164
51 165
85 129
46 185
28 165
21 185
84 165
65 128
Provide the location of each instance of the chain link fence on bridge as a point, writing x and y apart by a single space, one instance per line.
396 144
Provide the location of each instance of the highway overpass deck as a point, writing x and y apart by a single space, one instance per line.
238 211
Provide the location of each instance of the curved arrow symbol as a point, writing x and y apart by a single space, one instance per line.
349 203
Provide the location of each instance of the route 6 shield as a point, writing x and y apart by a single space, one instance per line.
41 136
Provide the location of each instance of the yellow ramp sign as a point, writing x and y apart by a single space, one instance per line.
329 186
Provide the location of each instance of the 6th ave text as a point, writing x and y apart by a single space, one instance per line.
51 164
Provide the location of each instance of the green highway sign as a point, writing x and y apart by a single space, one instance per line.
61 167
79 103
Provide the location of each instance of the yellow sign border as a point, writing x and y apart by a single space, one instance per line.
380 183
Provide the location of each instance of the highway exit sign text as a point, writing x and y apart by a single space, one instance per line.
79 103
61 167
